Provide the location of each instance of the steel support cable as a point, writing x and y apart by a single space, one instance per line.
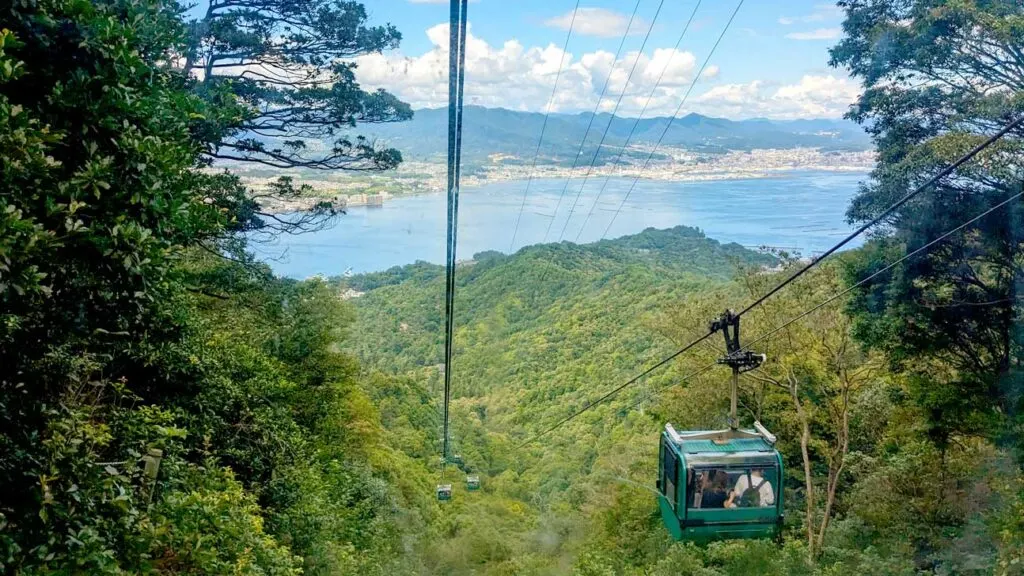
772 332
456 78
945 172
593 116
888 211
841 293
878 273
543 127
672 119
618 389
636 123
608 127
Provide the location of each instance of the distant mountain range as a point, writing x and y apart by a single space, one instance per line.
490 131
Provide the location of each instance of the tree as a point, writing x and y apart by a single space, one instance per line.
290 61
120 335
939 77
822 371
98 194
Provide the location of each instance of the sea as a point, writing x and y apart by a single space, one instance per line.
801 212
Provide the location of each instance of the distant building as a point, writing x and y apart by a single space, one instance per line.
374 200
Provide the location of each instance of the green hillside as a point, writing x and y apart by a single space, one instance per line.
170 407
543 332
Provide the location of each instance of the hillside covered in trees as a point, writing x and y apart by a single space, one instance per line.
168 406
546 331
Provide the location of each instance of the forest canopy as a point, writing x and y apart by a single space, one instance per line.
169 406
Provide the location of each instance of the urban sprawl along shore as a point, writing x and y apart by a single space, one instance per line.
674 165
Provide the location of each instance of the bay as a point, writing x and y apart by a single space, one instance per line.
800 211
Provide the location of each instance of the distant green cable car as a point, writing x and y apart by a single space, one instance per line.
722 484
472 482
444 492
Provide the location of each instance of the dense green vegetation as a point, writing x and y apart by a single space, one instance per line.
168 406
939 77
132 329
868 489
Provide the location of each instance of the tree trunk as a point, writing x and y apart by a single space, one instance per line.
835 469
805 438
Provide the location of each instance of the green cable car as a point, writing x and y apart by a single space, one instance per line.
472 482
716 485
722 484
444 492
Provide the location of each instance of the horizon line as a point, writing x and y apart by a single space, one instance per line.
584 113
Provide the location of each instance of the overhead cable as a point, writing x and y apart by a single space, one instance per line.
884 214
608 127
636 122
544 125
456 80
593 115
672 119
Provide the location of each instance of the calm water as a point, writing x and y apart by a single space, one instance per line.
800 210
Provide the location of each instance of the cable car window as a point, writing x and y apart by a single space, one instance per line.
670 475
752 487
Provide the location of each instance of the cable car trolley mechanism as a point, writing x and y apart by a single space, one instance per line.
722 484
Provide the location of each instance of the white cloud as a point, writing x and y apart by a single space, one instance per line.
785 21
521 78
812 97
819 34
596 22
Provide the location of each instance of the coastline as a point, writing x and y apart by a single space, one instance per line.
398 185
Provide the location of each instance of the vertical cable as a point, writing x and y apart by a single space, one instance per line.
456 74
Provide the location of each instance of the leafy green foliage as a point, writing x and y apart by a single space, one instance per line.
164 410
940 77
290 62
541 333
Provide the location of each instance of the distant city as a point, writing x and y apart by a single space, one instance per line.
501 147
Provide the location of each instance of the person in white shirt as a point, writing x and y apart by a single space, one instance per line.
751 490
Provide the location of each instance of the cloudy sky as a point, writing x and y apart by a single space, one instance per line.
772 61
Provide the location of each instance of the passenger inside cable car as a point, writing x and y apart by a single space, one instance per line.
751 490
714 492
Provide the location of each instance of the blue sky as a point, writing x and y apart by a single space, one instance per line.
772 62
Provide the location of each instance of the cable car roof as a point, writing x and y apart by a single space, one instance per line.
706 445
723 445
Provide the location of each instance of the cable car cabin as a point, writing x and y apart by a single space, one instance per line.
716 485
472 482
444 492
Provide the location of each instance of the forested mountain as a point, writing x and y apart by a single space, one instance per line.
490 131
170 407
543 332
